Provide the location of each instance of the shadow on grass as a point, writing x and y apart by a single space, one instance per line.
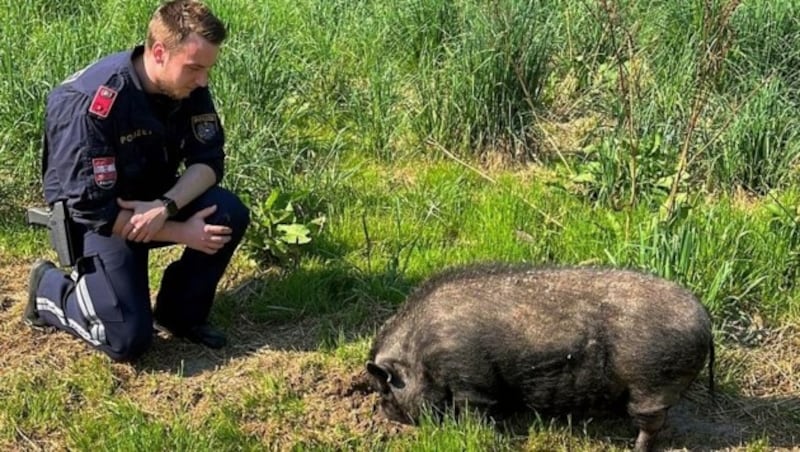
731 420
301 310
696 423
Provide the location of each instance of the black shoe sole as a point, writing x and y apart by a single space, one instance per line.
31 314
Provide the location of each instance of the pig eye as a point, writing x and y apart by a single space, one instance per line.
396 382
392 382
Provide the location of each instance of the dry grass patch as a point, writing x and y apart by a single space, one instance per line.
251 379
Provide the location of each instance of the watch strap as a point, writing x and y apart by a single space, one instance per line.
169 203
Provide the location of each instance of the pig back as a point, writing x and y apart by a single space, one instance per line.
543 306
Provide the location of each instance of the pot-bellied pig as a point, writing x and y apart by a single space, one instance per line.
505 338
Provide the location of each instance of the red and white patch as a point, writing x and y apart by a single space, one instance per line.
102 101
105 172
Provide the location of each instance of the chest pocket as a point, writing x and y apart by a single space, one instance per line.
141 160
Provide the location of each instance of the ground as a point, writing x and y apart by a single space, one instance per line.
758 403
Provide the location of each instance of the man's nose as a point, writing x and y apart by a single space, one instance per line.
202 80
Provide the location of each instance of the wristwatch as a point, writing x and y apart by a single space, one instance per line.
169 203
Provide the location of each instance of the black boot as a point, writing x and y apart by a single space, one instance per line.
31 314
199 334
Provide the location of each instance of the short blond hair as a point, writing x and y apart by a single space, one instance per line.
175 20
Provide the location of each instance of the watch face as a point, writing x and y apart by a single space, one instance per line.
172 208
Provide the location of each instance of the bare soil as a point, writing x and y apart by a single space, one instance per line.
759 404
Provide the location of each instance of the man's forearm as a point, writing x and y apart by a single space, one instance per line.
193 182
171 231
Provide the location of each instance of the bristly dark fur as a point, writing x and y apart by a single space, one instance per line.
501 337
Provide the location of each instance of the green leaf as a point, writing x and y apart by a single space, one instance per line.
296 234
271 199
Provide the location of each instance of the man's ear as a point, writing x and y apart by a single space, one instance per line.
381 374
159 52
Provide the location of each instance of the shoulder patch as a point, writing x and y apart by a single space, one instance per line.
102 101
205 127
105 172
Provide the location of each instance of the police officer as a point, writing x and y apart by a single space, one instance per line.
116 134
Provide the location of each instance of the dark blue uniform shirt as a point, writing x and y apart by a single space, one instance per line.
106 138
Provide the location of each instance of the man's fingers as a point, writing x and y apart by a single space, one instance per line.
217 229
130 230
126 230
215 242
139 234
135 236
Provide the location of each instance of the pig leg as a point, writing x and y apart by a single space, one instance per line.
648 411
473 400
648 405
649 425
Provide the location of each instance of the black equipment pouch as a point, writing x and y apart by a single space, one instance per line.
63 234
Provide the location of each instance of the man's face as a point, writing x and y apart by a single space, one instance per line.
186 67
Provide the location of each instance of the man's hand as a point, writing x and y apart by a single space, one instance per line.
207 238
148 218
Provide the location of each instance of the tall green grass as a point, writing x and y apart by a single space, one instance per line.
309 77
311 92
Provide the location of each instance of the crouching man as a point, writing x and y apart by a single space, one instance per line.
117 134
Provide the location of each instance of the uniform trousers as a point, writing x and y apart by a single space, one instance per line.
105 301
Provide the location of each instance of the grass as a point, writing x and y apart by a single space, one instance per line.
433 133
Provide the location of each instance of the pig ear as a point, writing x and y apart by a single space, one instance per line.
382 374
